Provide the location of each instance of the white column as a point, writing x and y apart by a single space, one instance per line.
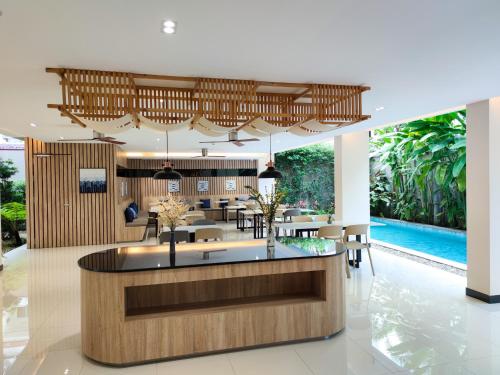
483 200
265 184
352 178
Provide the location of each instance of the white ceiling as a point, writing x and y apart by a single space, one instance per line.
419 57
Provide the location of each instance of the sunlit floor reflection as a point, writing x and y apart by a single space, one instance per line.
408 318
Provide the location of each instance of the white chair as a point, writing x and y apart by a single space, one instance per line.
334 232
358 230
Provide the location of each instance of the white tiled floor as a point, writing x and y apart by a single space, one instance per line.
410 318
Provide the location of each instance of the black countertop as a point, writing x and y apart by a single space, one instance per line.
145 258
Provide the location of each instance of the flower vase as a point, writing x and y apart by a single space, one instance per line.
270 241
172 241
172 247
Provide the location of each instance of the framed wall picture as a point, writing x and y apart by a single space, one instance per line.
230 185
202 186
173 186
93 180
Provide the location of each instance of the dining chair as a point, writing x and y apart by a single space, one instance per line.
334 232
291 212
302 219
321 218
180 236
208 234
204 222
358 230
192 218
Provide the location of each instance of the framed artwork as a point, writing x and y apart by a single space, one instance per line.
93 180
173 186
202 186
124 188
230 185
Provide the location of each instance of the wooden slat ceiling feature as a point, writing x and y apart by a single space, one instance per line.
105 95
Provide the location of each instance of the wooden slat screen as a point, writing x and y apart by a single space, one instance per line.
58 214
142 189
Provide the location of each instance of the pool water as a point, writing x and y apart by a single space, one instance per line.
431 240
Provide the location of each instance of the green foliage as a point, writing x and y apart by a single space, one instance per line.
12 195
13 217
307 176
418 170
268 203
10 191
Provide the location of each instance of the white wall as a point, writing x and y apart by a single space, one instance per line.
352 178
483 196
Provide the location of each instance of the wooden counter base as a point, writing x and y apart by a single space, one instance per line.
137 317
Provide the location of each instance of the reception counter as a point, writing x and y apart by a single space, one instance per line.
140 304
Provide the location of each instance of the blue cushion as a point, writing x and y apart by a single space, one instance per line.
129 215
134 206
205 203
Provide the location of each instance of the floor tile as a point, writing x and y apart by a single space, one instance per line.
409 318
209 365
263 361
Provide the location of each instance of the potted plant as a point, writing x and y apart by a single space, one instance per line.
268 203
170 212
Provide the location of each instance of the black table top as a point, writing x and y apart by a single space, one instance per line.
146 258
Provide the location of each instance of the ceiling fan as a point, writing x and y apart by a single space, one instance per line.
233 138
96 137
204 154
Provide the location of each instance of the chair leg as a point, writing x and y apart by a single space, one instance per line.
371 262
347 270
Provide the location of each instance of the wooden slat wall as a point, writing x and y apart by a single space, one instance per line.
58 215
142 189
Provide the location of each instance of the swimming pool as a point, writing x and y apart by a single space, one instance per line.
440 242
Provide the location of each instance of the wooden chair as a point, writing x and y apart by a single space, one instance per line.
321 218
358 230
180 236
208 234
334 232
302 219
190 219
204 222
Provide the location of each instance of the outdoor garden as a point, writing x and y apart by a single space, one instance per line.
417 172
13 206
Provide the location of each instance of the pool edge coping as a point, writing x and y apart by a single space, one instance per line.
421 254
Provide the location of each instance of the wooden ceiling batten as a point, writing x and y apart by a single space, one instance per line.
104 95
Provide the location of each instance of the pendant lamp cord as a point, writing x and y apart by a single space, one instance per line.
270 147
167 144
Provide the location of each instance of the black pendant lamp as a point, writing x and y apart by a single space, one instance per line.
168 172
270 172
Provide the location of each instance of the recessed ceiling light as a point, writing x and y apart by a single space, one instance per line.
157 139
33 125
169 23
169 26
379 109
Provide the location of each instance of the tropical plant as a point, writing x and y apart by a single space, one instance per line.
10 191
13 217
308 174
418 170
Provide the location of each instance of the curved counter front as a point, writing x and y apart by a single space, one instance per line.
141 304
